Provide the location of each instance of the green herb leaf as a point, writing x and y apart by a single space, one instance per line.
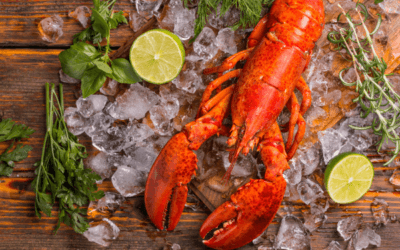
5 170
123 72
103 67
116 19
86 49
18 154
100 25
378 1
92 80
74 63
10 131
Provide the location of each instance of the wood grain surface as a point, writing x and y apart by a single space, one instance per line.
26 64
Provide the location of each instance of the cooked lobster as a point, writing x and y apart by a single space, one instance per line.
279 50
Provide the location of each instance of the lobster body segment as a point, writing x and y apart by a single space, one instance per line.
280 49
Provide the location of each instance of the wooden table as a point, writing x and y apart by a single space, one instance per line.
26 64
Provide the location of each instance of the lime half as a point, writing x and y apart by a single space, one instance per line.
348 177
157 56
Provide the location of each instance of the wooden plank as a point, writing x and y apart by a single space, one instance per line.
19 21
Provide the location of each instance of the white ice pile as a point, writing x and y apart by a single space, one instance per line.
82 14
103 233
50 28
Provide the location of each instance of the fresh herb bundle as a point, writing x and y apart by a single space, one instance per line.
92 66
61 175
10 131
376 94
250 11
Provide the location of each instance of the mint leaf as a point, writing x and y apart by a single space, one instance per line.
116 19
100 25
92 80
103 67
74 63
86 49
122 71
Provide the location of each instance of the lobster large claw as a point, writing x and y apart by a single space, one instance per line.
246 215
166 190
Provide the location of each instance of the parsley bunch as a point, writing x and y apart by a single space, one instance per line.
250 11
61 175
90 64
10 131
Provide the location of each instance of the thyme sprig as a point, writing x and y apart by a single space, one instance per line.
376 94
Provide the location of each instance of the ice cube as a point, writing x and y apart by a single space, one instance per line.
310 159
363 238
143 158
204 45
109 143
136 21
98 122
184 23
110 88
225 41
380 211
103 233
99 164
333 245
312 221
82 14
329 98
261 238
309 191
293 194
314 114
293 175
50 28
148 8
292 235
91 105
390 6
395 178
64 78
137 133
319 206
161 121
217 21
134 103
244 166
128 181
76 123
348 226
331 142
105 207
188 80
170 91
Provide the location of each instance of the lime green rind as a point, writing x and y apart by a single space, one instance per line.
339 171
170 63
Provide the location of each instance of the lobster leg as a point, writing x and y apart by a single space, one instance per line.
258 33
251 209
230 62
166 186
294 108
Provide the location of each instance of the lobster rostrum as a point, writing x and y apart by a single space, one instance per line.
279 50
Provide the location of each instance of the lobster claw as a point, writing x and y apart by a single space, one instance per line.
166 191
246 215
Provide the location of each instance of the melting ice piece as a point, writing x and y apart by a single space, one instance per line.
64 78
348 226
91 105
380 211
105 207
128 181
137 133
99 164
292 235
110 88
98 122
390 6
293 175
395 178
76 123
161 121
334 245
363 238
188 80
50 28
310 159
313 114
332 142
226 41
244 166
143 158
103 234
82 14
134 103
319 206
148 8
109 142
136 21
309 191
184 23
205 46
312 221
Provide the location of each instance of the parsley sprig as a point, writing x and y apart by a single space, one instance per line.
11 131
250 12
376 94
93 65
61 175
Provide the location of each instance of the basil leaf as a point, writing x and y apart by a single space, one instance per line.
74 63
92 80
123 71
86 49
100 25
103 67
